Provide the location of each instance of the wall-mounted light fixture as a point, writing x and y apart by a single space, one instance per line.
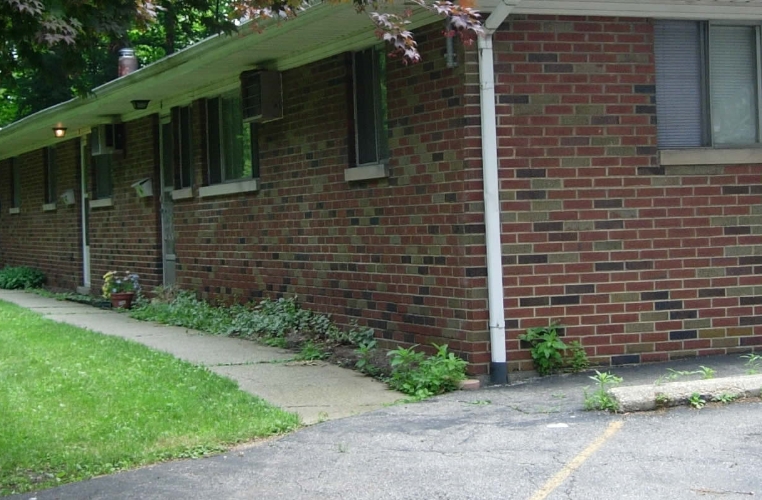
59 132
140 103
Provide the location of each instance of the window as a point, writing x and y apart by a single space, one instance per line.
707 84
50 174
183 166
233 151
15 183
102 176
370 107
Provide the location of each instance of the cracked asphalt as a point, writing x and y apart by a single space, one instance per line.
527 441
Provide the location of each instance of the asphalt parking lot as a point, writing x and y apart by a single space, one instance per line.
530 441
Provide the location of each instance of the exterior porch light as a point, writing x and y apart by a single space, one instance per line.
140 103
59 132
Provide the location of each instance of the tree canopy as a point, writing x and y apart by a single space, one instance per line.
51 50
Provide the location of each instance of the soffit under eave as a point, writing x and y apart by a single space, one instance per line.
200 72
749 10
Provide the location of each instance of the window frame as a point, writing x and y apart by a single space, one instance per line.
15 185
99 164
379 97
50 175
708 139
182 146
216 137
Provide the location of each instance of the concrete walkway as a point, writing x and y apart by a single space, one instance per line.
316 391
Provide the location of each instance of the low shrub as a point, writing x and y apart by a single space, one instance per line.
12 278
422 376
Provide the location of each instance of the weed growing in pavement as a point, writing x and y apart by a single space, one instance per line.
600 399
549 351
725 398
662 400
706 372
421 376
753 363
696 401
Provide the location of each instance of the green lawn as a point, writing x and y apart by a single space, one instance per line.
76 404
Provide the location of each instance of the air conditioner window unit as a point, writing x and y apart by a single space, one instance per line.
107 139
261 96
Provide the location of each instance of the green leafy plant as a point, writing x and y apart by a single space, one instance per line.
311 352
725 398
417 375
549 351
696 401
600 399
706 372
753 363
12 278
662 400
365 361
578 361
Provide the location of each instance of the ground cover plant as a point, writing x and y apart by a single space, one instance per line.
21 277
284 323
551 354
77 404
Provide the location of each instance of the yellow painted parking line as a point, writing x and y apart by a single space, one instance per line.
556 481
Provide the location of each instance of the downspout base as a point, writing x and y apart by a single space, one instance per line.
498 373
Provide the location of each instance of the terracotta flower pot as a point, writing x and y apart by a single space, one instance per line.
122 300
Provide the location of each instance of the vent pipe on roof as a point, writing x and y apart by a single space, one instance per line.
127 62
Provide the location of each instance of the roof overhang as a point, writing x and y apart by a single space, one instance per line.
749 10
201 70
320 31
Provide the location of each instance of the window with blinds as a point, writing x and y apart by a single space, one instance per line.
232 145
707 84
370 110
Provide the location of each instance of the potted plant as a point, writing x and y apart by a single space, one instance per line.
120 288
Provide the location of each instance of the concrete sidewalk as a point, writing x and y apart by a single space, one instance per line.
316 391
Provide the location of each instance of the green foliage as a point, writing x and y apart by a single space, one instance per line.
696 401
725 398
600 399
77 404
365 362
662 400
705 372
549 351
12 278
311 352
753 363
422 376
578 361
271 321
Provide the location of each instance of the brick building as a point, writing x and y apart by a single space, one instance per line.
613 170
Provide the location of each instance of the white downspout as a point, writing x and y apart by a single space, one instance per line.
493 230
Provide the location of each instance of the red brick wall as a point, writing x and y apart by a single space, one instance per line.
637 261
388 252
127 235
46 240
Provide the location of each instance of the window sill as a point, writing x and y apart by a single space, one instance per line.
247 186
705 156
102 203
366 172
182 194
15 210
49 207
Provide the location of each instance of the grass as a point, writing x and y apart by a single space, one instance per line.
76 404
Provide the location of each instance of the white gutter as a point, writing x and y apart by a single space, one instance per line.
498 365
